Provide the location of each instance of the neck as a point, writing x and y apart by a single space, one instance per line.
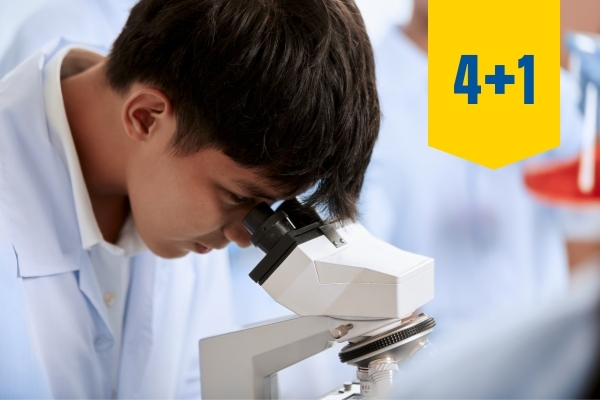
94 115
416 30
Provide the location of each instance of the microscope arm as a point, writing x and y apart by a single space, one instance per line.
351 286
240 364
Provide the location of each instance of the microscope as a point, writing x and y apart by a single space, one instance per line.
345 285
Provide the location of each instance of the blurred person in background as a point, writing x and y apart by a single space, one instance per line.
493 244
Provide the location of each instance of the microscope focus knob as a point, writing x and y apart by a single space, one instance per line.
374 347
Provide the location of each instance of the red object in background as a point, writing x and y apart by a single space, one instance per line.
555 182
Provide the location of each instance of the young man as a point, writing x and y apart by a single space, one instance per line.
202 110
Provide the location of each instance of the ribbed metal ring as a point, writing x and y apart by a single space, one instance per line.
357 350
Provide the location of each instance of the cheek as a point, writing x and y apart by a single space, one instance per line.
169 203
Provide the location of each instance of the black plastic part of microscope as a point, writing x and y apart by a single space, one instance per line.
274 257
387 340
256 217
300 214
273 233
267 226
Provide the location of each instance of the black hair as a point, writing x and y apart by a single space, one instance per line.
283 86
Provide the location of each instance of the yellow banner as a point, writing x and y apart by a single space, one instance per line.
494 78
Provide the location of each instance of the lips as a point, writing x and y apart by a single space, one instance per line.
202 249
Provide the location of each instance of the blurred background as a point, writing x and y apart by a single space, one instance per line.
379 15
502 240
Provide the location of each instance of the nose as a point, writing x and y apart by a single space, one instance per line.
236 233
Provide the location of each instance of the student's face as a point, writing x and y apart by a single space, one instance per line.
183 203
193 203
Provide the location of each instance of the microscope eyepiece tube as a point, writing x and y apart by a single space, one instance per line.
256 217
266 226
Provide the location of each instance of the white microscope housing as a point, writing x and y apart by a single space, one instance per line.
360 278
345 284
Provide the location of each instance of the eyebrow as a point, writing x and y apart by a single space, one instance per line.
255 190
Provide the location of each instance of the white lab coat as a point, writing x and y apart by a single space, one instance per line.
493 244
171 303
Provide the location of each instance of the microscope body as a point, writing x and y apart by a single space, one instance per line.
363 278
345 285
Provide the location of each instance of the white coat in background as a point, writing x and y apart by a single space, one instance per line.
493 244
47 279
95 22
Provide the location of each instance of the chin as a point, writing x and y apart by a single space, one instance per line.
167 252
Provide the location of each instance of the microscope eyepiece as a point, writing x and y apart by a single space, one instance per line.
266 226
256 217
277 233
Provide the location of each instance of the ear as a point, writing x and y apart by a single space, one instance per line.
146 112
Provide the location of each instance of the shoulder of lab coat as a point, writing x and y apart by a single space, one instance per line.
36 199
36 225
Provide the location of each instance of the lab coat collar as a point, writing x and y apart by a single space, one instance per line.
61 138
60 135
